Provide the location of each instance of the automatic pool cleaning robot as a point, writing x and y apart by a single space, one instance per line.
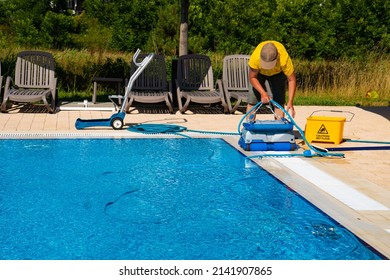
267 135
272 135
117 120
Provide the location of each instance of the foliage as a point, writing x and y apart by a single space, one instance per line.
91 35
164 37
339 47
57 30
76 69
311 29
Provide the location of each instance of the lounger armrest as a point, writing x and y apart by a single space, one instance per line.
53 87
7 87
9 82
169 82
218 86
54 90
177 86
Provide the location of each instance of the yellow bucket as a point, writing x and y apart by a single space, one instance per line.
325 128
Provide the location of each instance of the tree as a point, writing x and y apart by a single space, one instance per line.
164 38
313 29
183 45
57 28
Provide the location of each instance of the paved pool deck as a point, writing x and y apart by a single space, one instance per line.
354 190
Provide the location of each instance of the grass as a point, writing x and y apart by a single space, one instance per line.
336 83
325 99
344 82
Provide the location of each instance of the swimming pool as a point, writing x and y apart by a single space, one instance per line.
171 199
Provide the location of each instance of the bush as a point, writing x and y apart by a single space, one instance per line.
321 82
57 30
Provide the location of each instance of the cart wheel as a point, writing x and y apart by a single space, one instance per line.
117 123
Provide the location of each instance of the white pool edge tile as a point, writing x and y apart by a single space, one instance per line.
338 189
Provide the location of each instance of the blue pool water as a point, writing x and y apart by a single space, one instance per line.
155 199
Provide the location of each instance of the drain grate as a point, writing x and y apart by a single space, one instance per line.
75 135
40 135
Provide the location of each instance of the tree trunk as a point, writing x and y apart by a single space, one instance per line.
183 46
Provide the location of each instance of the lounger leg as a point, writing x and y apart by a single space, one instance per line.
5 97
4 105
231 110
168 104
179 102
225 106
129 102
49 107
53 105
236 106
185 105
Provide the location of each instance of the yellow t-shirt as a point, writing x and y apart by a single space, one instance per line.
284 62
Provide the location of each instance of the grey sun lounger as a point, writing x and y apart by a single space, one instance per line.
151 86
34 80
235 79
195 82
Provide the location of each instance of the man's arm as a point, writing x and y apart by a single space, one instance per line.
256 85
292 86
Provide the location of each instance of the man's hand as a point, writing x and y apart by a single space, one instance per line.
265 99
290 109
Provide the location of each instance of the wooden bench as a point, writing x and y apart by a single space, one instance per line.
96 80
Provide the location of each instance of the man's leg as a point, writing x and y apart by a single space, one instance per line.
277 84
253 99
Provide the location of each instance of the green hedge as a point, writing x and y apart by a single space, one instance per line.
341 81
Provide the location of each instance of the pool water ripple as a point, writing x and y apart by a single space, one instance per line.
155 199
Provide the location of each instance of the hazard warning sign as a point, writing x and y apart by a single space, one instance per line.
322 134
322 130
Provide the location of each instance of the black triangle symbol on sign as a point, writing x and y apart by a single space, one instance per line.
322 130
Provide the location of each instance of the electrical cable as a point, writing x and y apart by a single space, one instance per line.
364 148
367 141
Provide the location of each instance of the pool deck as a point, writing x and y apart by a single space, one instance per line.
354 190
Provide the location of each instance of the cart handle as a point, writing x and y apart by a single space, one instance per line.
140 67
135 57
